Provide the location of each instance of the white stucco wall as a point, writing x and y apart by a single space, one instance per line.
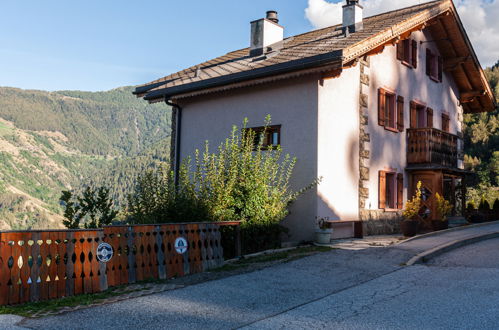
292 104
388 149
338 146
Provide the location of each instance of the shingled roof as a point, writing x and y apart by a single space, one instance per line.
330 49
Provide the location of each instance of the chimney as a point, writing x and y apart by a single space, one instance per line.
265 32
352 16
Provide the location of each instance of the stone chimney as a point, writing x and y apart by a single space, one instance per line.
265 32
352 16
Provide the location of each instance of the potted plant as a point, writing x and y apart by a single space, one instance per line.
323 231
410 225
443 208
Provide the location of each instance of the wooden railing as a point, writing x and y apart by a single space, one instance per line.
431 146
42 265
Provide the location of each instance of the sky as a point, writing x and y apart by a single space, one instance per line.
99 45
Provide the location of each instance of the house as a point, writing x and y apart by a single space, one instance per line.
372 106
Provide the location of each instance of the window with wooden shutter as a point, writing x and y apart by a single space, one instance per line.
400 191
407 52
429 60
414 54
400 51
440 68
382 190
381 107
445 123
400 113
429 117
414 115
434 66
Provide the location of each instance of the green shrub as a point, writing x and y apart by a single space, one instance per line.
484 205
240 182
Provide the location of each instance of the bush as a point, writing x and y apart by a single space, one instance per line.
484 205
240 182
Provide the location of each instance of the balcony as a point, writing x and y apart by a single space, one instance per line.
431 146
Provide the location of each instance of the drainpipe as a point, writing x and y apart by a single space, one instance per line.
178 134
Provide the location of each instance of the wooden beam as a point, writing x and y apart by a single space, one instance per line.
451 64
471 94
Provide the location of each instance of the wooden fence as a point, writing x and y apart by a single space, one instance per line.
42 265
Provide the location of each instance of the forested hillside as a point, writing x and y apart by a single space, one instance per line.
50 141
482 147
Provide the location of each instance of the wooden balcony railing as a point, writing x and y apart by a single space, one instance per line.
432 146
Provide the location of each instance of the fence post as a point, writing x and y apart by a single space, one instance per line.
238 240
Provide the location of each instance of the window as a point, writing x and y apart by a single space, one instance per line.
407 52
434 66
271 136
390 110
391 190
421 116
445 123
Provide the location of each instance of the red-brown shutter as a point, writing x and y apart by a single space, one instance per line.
381 107
413 116
400 51
400 113
428 62
429 117
382 190
414 54
400 191
440 68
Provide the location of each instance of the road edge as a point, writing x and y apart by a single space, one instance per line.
436 251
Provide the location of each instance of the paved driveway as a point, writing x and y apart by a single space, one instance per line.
339 289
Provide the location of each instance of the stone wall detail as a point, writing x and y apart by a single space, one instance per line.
364 138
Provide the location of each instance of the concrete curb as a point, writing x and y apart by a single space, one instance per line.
436 251
435 233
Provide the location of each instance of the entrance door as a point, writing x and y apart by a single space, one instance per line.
431 183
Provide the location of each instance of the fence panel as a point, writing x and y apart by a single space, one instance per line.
42 265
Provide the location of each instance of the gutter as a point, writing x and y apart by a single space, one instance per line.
178 135
305 63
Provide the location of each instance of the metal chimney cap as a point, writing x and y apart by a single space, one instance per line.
272 16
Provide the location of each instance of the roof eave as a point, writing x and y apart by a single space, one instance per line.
335 57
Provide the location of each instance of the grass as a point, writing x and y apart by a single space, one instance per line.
30 309
4 129
288 256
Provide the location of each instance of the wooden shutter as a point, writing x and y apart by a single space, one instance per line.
429 117
400 51
400 191
382 190
400 113
413 116
414 50
440 68
381 107
428 62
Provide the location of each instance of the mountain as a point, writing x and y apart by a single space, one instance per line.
50 141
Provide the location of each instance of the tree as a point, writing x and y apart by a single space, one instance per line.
94 208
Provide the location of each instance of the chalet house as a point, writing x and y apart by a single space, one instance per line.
372 106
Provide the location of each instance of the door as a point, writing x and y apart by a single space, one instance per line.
431 184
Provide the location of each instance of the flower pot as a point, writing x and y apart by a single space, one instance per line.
439 225
409 227
323 236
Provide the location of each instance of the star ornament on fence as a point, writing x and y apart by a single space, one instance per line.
104 252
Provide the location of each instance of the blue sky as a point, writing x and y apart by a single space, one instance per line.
103 44
99 45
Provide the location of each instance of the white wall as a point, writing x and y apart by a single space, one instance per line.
338 146
388 149
292 104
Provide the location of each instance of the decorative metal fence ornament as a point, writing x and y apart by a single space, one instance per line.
104 252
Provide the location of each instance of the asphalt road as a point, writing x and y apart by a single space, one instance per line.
335 290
